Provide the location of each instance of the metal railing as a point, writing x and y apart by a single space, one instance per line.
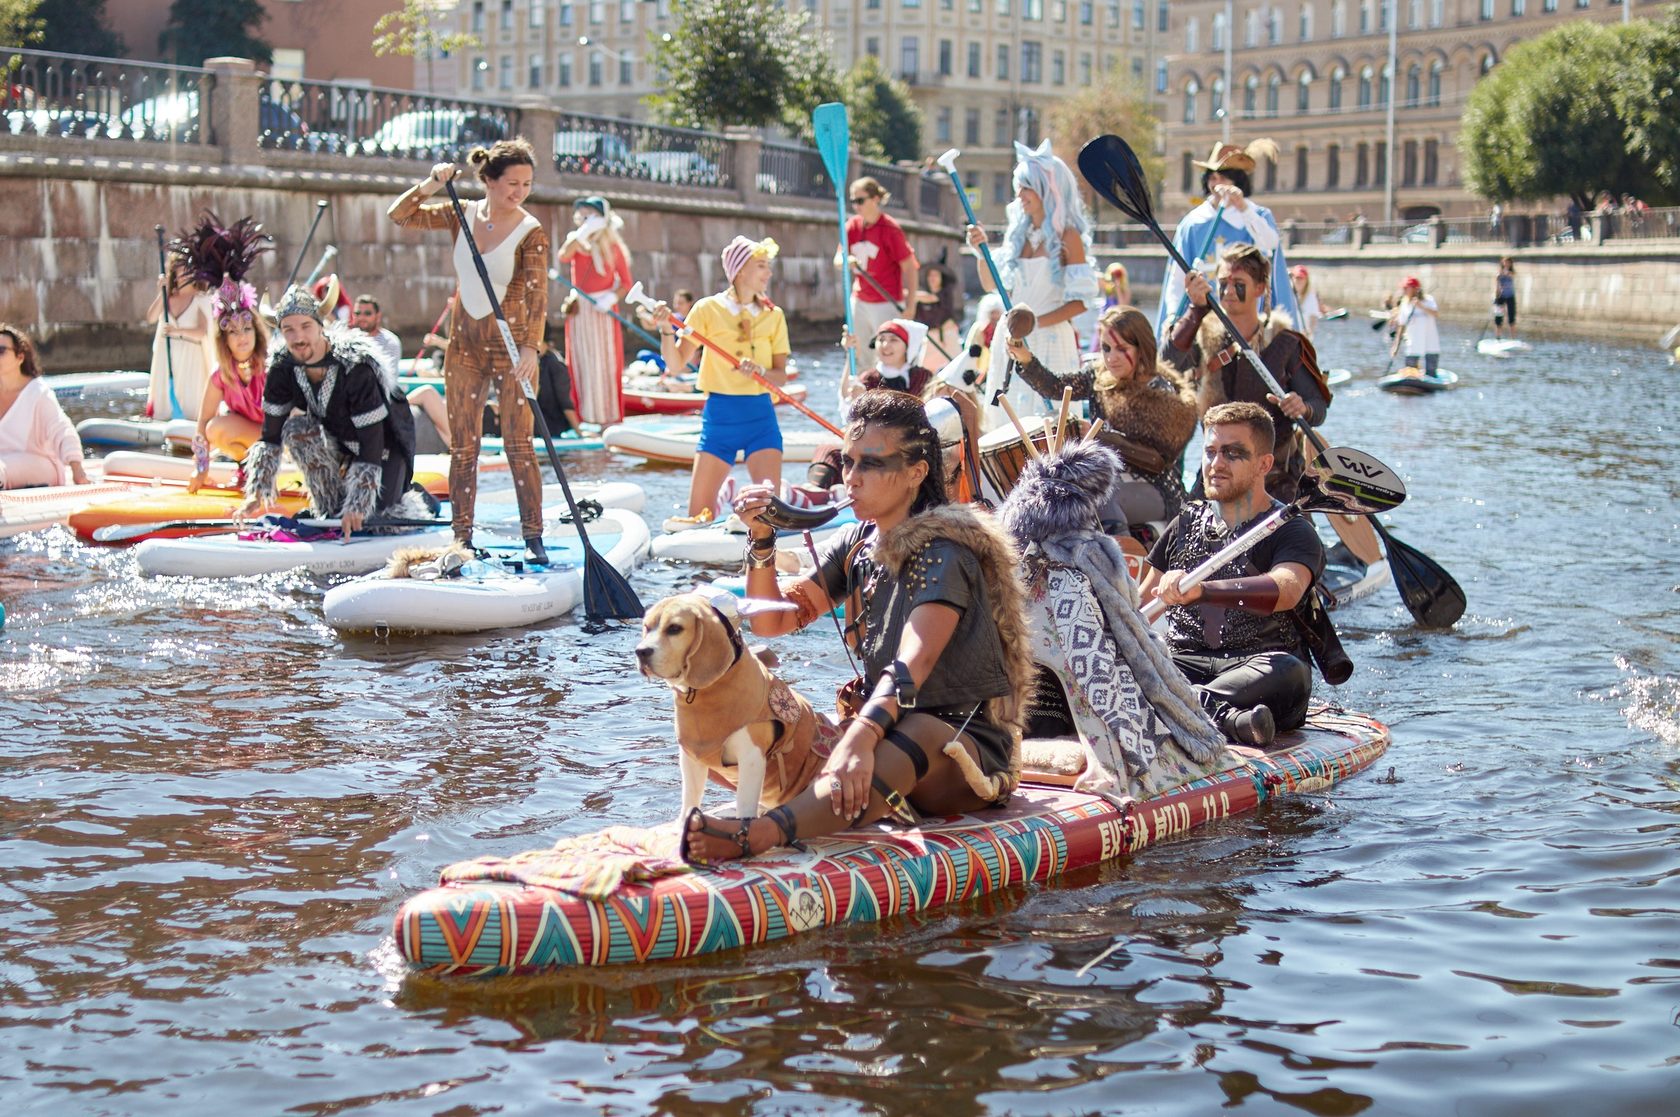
600 145
1632 224
1327 233
1125 236
325 118
785 168
69 95
892 179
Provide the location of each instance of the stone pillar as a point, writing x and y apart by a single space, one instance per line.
1290 239
746 145
235 115
537 116
1437 231
1361 234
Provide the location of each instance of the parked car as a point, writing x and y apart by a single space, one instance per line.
174 117
599 153
1419 234
688 168
434 134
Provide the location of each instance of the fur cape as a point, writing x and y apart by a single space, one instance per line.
981 533
1274 328
1161 420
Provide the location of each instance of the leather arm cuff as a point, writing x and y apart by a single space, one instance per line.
1184 330
1255 594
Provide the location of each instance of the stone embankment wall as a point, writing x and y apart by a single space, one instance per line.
1623 290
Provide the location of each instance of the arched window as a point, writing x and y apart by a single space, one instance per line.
1191 90
1385 84
1303 91
1489 60
1337 76
1191 27
1306 28
1218 88
1365 88
1251 89
1273 85
1435 69
1414 82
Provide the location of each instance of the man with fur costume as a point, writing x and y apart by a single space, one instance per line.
1227 216
354 438
1102 676
1220 373
934 611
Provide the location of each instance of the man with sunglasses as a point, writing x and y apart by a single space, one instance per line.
1233 636
885 286
1212 357
366 316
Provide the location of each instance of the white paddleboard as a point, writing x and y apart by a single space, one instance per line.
488 595
84 384
121 432
41 507
1501 346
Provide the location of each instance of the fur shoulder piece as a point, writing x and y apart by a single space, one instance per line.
1061 494
351 347
981 533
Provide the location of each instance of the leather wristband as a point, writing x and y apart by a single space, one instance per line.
761 557
1257 593
1184 330
904 687
875 712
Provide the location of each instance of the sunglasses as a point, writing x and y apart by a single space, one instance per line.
859 199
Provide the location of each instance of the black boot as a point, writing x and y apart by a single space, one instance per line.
1248 727
537 555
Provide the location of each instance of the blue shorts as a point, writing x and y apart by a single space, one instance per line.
733 425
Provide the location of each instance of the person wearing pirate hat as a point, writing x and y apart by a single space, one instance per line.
1227 216
353 434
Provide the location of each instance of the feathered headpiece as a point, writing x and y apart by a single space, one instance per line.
220 257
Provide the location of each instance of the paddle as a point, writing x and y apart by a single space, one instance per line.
168 349
606 593
554 273
834 143
949 162
1670 337
640 298
1339 482
448 305
125 533
327 257
1394 347
291 277
1111 167
883 293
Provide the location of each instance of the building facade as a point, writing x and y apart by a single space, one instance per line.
1313 75
984 72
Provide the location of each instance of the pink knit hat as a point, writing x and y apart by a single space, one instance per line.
741 249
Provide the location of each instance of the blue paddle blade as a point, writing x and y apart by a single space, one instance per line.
834 137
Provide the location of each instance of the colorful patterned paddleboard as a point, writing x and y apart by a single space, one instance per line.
503 915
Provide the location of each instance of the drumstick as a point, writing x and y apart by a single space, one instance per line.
1091 433
1032 451
1061 419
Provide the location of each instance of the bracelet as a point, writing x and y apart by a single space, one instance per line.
201 454
875 712
760 559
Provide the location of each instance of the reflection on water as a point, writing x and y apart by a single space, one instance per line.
210 806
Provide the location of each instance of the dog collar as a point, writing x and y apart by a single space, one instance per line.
735 640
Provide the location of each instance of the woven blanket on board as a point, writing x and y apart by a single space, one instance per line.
591 866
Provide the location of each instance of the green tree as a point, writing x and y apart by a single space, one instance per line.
1114 104
200 29
745 62
1647 98
885 122
79 27
1545 121
20 24
412 32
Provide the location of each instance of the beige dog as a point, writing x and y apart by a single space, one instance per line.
733 716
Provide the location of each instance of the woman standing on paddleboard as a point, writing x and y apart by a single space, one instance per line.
181 355
515 250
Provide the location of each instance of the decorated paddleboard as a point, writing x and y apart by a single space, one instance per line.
38 508
172 512
1411 381
501 592
619 897
135 433
1501 346
718 544
676 441
431 470
82 385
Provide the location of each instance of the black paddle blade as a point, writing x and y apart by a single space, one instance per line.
606 593
1350 482
1111 167
1431 595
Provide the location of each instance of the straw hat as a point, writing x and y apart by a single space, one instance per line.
1230 157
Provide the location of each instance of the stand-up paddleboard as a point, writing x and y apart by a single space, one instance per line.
1336 377
1501 346
431 470
175 512
652 401
559 908
676 441
83 385
136 433
36 509
717 544
494 445
500 592
1411 381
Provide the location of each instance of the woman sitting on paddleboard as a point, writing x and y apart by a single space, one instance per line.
515 251
739 416
935 612
38 443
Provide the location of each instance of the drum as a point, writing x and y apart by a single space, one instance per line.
1003 455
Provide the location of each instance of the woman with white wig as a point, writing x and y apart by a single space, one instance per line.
1045 264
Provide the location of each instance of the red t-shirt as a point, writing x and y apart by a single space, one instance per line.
883 248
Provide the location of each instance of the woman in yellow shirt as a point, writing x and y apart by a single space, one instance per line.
739 416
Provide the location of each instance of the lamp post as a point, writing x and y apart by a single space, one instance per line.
1393 7
1230 39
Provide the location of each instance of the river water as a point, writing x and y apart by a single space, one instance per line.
211 806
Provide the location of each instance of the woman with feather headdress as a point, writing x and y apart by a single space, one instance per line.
1227 216
182 353
223 257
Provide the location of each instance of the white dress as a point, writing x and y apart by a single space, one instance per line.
1057 347
191 361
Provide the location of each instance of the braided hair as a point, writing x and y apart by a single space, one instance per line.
906 414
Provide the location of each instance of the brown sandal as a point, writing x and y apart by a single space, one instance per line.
739 837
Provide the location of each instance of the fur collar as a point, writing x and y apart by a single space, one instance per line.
1212 336
347 348
984 536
